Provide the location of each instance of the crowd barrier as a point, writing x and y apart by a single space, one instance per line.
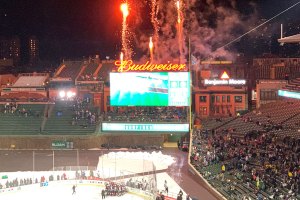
101 183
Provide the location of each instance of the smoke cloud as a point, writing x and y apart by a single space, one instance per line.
207 24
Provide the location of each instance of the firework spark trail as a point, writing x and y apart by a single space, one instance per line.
125 46
155 23
121 57
151 49
180 30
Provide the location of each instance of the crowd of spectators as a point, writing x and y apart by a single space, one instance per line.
83 111
16 182
147 114
114 189
256 165
89 77
14 108
143 184
28 181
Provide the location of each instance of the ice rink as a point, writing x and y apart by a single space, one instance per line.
121 166
61 191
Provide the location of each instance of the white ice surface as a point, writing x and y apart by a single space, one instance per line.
61 191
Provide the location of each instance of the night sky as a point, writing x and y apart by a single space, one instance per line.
77 28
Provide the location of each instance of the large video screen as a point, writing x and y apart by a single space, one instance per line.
290 94
150 89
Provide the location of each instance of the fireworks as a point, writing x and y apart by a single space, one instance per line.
150 43
151 49
178 12
125 46
121 56
180 30
124 9
155 23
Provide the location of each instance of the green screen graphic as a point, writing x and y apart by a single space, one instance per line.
140 127
150 89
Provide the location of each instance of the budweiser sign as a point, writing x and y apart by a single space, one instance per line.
128 66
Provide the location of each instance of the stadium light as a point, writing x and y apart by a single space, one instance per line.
62 94
69 94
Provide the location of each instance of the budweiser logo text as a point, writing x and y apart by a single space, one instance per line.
128 65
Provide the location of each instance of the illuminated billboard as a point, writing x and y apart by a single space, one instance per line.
150 89
224 82
137 127
130 66
289 94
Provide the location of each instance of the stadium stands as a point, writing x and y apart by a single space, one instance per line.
70 118
147 114
21 119
294 84
32 81
23 97
281 67
254 155
89 73
105 69
69 69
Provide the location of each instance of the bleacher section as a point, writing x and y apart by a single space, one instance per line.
69 69
281 66
214 123
30 81
65 119
105 69
267 117
147 114
259 152
21 119
24 97
89 73
294 85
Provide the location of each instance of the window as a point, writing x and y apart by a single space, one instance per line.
217 98
108 100
223 98
202 98
228 98
212 98
268 95
203 110
217 109
238 99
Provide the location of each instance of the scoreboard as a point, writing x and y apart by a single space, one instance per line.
150 89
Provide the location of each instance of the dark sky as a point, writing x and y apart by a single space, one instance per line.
76 28
73 28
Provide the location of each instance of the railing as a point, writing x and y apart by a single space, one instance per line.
35 181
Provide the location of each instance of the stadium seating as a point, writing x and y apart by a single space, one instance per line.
282 66
69 69
104 71
88 73
23 97
259 150
21 119
214 123
32 81
147 114
62 120
294 84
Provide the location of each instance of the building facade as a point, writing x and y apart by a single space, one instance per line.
219 89
267 91
10 48
33 50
